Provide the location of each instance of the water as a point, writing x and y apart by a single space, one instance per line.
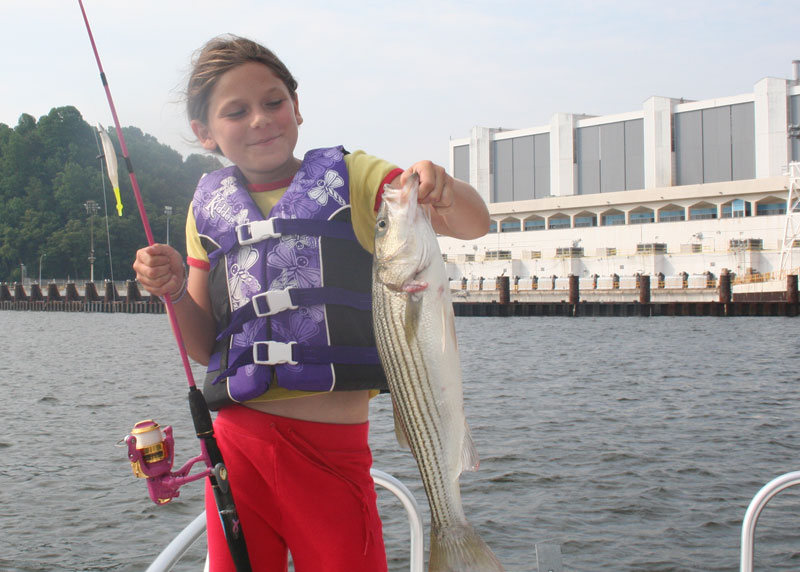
633 443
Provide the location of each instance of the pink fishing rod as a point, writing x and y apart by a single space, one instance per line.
162 482
173 320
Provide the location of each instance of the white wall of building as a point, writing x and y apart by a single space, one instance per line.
710 239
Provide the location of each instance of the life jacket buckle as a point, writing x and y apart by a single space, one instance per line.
256 231
272 302
273 353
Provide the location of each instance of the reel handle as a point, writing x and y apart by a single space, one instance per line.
151 453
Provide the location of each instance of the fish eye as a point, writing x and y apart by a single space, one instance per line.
380 226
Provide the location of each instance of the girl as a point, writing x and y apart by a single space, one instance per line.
276 303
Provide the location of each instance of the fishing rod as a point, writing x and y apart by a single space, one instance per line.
150 450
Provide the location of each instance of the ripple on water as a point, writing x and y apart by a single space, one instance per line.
614 438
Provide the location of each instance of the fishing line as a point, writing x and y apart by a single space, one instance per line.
161 481
173 320
105 209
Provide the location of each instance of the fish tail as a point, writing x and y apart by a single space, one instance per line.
461 549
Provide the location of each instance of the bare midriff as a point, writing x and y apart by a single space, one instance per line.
343 407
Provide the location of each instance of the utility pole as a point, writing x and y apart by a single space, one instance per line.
168 212
40 267
91 209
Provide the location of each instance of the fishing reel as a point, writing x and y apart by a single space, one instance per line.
151 453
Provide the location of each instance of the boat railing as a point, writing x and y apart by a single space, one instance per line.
175 550
758 503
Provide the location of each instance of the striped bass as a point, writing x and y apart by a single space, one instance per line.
416 339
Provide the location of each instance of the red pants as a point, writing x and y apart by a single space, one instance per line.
301 486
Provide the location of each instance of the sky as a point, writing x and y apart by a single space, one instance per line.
396 79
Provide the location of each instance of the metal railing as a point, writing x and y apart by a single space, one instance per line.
175 550
758 503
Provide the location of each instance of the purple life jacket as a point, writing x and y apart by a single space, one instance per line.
291 293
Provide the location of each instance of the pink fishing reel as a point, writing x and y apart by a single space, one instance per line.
151 453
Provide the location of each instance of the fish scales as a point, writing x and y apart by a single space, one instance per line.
414 402
415 334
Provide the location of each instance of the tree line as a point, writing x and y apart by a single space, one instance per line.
51 168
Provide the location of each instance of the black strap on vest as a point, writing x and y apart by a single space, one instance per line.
272 302
256 231
277 353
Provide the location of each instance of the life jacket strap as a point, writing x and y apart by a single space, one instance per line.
273 302
258 230
273 353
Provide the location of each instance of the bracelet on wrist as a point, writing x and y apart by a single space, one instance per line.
178 296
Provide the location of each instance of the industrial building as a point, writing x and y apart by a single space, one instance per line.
676 188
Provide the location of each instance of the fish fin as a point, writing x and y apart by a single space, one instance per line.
413 313
400 430
449 330
469 454
460 548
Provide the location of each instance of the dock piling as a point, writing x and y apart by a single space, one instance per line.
19 293
791 289
504 288
574 294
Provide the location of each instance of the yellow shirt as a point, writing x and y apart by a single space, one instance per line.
367 176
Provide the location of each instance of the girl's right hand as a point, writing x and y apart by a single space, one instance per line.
159 269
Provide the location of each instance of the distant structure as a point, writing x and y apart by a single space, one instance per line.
675 188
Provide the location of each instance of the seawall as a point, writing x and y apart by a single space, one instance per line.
639 299
70 297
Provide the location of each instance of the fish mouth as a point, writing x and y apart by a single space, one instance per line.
391 277
397 277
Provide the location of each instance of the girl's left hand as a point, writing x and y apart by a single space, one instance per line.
435 185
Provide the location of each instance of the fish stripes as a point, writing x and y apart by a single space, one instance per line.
415 335
404 364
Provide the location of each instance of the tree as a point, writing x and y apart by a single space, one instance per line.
48 170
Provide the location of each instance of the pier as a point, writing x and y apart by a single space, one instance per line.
569 296
70 297
636 297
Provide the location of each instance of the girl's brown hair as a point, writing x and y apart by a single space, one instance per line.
220 55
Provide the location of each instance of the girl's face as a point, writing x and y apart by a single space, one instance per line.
253 121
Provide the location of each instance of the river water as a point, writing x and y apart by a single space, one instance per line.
634 444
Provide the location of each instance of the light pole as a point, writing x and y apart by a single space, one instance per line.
168 212
40 267
91 209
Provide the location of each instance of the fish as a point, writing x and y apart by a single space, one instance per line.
416 339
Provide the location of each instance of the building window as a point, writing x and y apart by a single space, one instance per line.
771 209
671 215
651 248
534 224
715 144
613 219
461 162
521 167
559 223
509 226
583 221
493 226
702 213
642 218
498 255
737 208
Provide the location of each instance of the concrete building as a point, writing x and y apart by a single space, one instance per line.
674 188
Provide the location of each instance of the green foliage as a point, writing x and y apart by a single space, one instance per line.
50 168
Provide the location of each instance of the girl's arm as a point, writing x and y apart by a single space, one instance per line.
160 270
458 210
